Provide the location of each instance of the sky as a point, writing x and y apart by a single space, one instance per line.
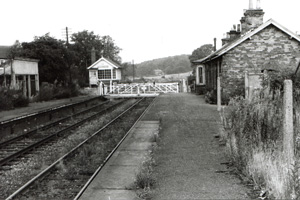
143 29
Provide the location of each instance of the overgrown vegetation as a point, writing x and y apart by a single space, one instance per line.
211 95
144 180
10 99
254 137
53 91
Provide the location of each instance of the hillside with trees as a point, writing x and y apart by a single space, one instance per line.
168 65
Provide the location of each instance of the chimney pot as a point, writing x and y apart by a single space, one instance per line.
238 28
250 4
258 4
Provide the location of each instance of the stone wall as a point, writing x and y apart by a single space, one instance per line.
269 49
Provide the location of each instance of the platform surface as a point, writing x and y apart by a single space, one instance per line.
115 180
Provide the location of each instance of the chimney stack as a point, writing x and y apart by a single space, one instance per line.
234 33
253 18
215 44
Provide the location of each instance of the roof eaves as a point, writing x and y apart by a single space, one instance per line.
244 37
253 32
106 60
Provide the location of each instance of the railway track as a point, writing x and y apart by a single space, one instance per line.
67 177
14 148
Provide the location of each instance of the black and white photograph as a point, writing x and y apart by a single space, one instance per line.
149 100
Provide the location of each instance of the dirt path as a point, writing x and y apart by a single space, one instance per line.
189 157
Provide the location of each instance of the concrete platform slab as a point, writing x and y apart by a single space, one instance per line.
116 177
144 136
148 125
138 146
130 158
112 195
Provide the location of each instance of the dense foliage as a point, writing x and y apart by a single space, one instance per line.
201 52
168 65
10 99
66 63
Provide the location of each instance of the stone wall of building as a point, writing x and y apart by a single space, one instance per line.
270 49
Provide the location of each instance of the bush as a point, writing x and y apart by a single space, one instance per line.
46 92
211 96
10 99
50 92
144 178
20 101
5 99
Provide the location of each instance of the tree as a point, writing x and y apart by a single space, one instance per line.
55 60
127 70
201 52
84 42
110 50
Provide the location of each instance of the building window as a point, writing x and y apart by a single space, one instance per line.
201 75
104 74
114 74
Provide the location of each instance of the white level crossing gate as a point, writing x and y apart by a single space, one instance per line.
144 88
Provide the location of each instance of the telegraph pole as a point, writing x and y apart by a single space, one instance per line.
132 70
67 35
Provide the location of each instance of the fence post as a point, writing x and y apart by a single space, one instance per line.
288 127
219 93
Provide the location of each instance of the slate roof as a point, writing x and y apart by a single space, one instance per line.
4 51
227 47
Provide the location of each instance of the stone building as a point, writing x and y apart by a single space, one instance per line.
252 46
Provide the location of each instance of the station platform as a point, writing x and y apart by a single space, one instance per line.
188 158
39 106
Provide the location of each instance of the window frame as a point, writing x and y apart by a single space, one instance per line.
201 75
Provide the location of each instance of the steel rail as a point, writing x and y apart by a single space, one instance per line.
49 125
111 153
52 136
6 123
47 170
